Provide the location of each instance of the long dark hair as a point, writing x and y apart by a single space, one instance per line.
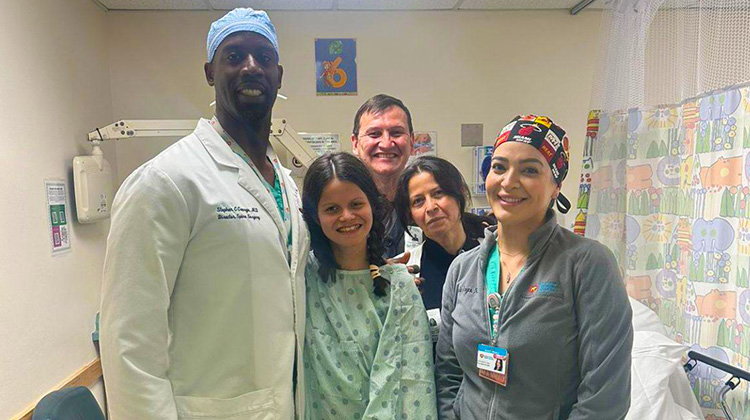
344 167
446 176
450 180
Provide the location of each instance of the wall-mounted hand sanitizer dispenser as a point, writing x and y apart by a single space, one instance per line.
93 186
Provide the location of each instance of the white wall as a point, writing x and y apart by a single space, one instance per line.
54 88
448 67
69 67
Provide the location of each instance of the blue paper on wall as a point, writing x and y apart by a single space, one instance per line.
336 66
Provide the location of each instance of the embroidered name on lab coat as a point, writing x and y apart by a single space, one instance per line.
237 213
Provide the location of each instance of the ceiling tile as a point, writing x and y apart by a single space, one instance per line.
154 4
273 4
349 4
517 4
396 4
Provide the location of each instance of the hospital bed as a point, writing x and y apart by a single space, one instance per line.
660 387
737 375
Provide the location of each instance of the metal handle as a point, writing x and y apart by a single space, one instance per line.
718 364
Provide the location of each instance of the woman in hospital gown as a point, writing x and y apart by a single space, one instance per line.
368 351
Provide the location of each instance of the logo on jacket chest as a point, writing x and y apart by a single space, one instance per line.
237 213
544 288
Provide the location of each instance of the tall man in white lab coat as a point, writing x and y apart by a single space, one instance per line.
203 303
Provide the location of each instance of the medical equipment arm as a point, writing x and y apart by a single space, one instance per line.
281 131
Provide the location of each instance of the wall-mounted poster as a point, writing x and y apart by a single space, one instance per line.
482 163
57 215
336 66
425 143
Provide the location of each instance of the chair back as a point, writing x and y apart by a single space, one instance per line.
75 403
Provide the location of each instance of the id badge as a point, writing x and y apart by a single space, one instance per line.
492 363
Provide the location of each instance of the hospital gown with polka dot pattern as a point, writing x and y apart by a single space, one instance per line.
366 356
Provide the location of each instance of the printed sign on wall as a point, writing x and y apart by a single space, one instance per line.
57 215
336 66
482 162
322 142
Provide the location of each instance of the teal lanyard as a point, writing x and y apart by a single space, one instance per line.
276 190
492 281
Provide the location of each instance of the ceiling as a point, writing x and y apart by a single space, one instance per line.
118 5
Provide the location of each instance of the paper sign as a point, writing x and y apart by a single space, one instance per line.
482 162
57 215
322 143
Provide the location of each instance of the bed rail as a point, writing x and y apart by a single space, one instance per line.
737 376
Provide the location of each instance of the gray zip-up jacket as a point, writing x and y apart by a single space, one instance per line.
565 321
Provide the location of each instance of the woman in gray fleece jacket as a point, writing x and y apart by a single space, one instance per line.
550 305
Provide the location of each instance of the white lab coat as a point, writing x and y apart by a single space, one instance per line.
202 315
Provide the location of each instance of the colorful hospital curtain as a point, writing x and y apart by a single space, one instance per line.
667 188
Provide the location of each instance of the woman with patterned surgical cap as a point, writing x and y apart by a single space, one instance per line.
551 305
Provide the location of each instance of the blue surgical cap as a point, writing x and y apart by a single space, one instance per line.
238 20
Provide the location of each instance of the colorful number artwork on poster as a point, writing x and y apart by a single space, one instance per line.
336 66
425 143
